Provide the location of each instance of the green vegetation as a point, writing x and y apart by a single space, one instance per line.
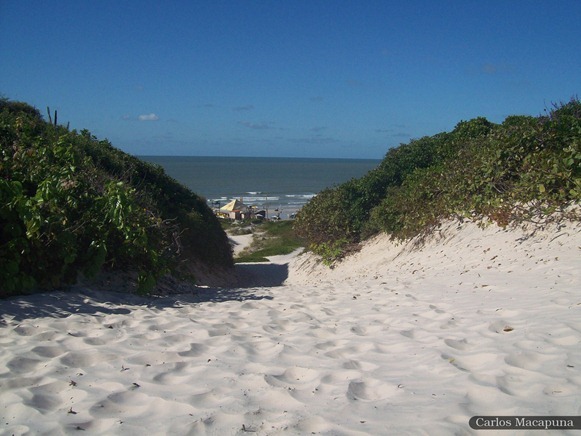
70 204
510 172
271 238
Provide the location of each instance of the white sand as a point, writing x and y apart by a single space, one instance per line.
396 340
240 242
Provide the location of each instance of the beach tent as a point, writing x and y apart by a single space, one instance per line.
233 205
234 210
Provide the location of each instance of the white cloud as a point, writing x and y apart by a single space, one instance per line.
148 117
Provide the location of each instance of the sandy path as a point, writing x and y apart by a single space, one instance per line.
394 341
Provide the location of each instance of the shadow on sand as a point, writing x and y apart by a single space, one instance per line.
252 278
62 304
261 274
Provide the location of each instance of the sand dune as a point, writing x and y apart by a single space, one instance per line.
398 339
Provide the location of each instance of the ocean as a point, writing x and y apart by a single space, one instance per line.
279 185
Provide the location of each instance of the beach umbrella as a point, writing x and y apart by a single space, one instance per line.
233 205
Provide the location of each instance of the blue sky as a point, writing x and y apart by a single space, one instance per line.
293 78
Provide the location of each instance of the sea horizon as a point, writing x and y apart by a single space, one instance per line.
147 156
284 184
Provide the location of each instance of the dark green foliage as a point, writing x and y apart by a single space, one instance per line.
506 172
343 213
70 203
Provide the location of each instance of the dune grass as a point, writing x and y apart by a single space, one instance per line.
271 238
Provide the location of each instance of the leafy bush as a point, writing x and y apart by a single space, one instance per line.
330 251
70 203
344 212
505 172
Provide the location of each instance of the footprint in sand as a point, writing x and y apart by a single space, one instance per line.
500 326
370 390
47 335
457 344
489 398
518 386
251 305
123 404
435 309
47 397
195 350
261 350
321 332
26 330
454 362
529 360
449 324
213 398
220 331
177 339
563 336
295 376
47 351
86 358
561 390
95 341
44 402
19 382
359 365
278 326
338 377
171 378
314 425
22 365
436 315
327 311
399 347
149 358
474 362
359 331
326 345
